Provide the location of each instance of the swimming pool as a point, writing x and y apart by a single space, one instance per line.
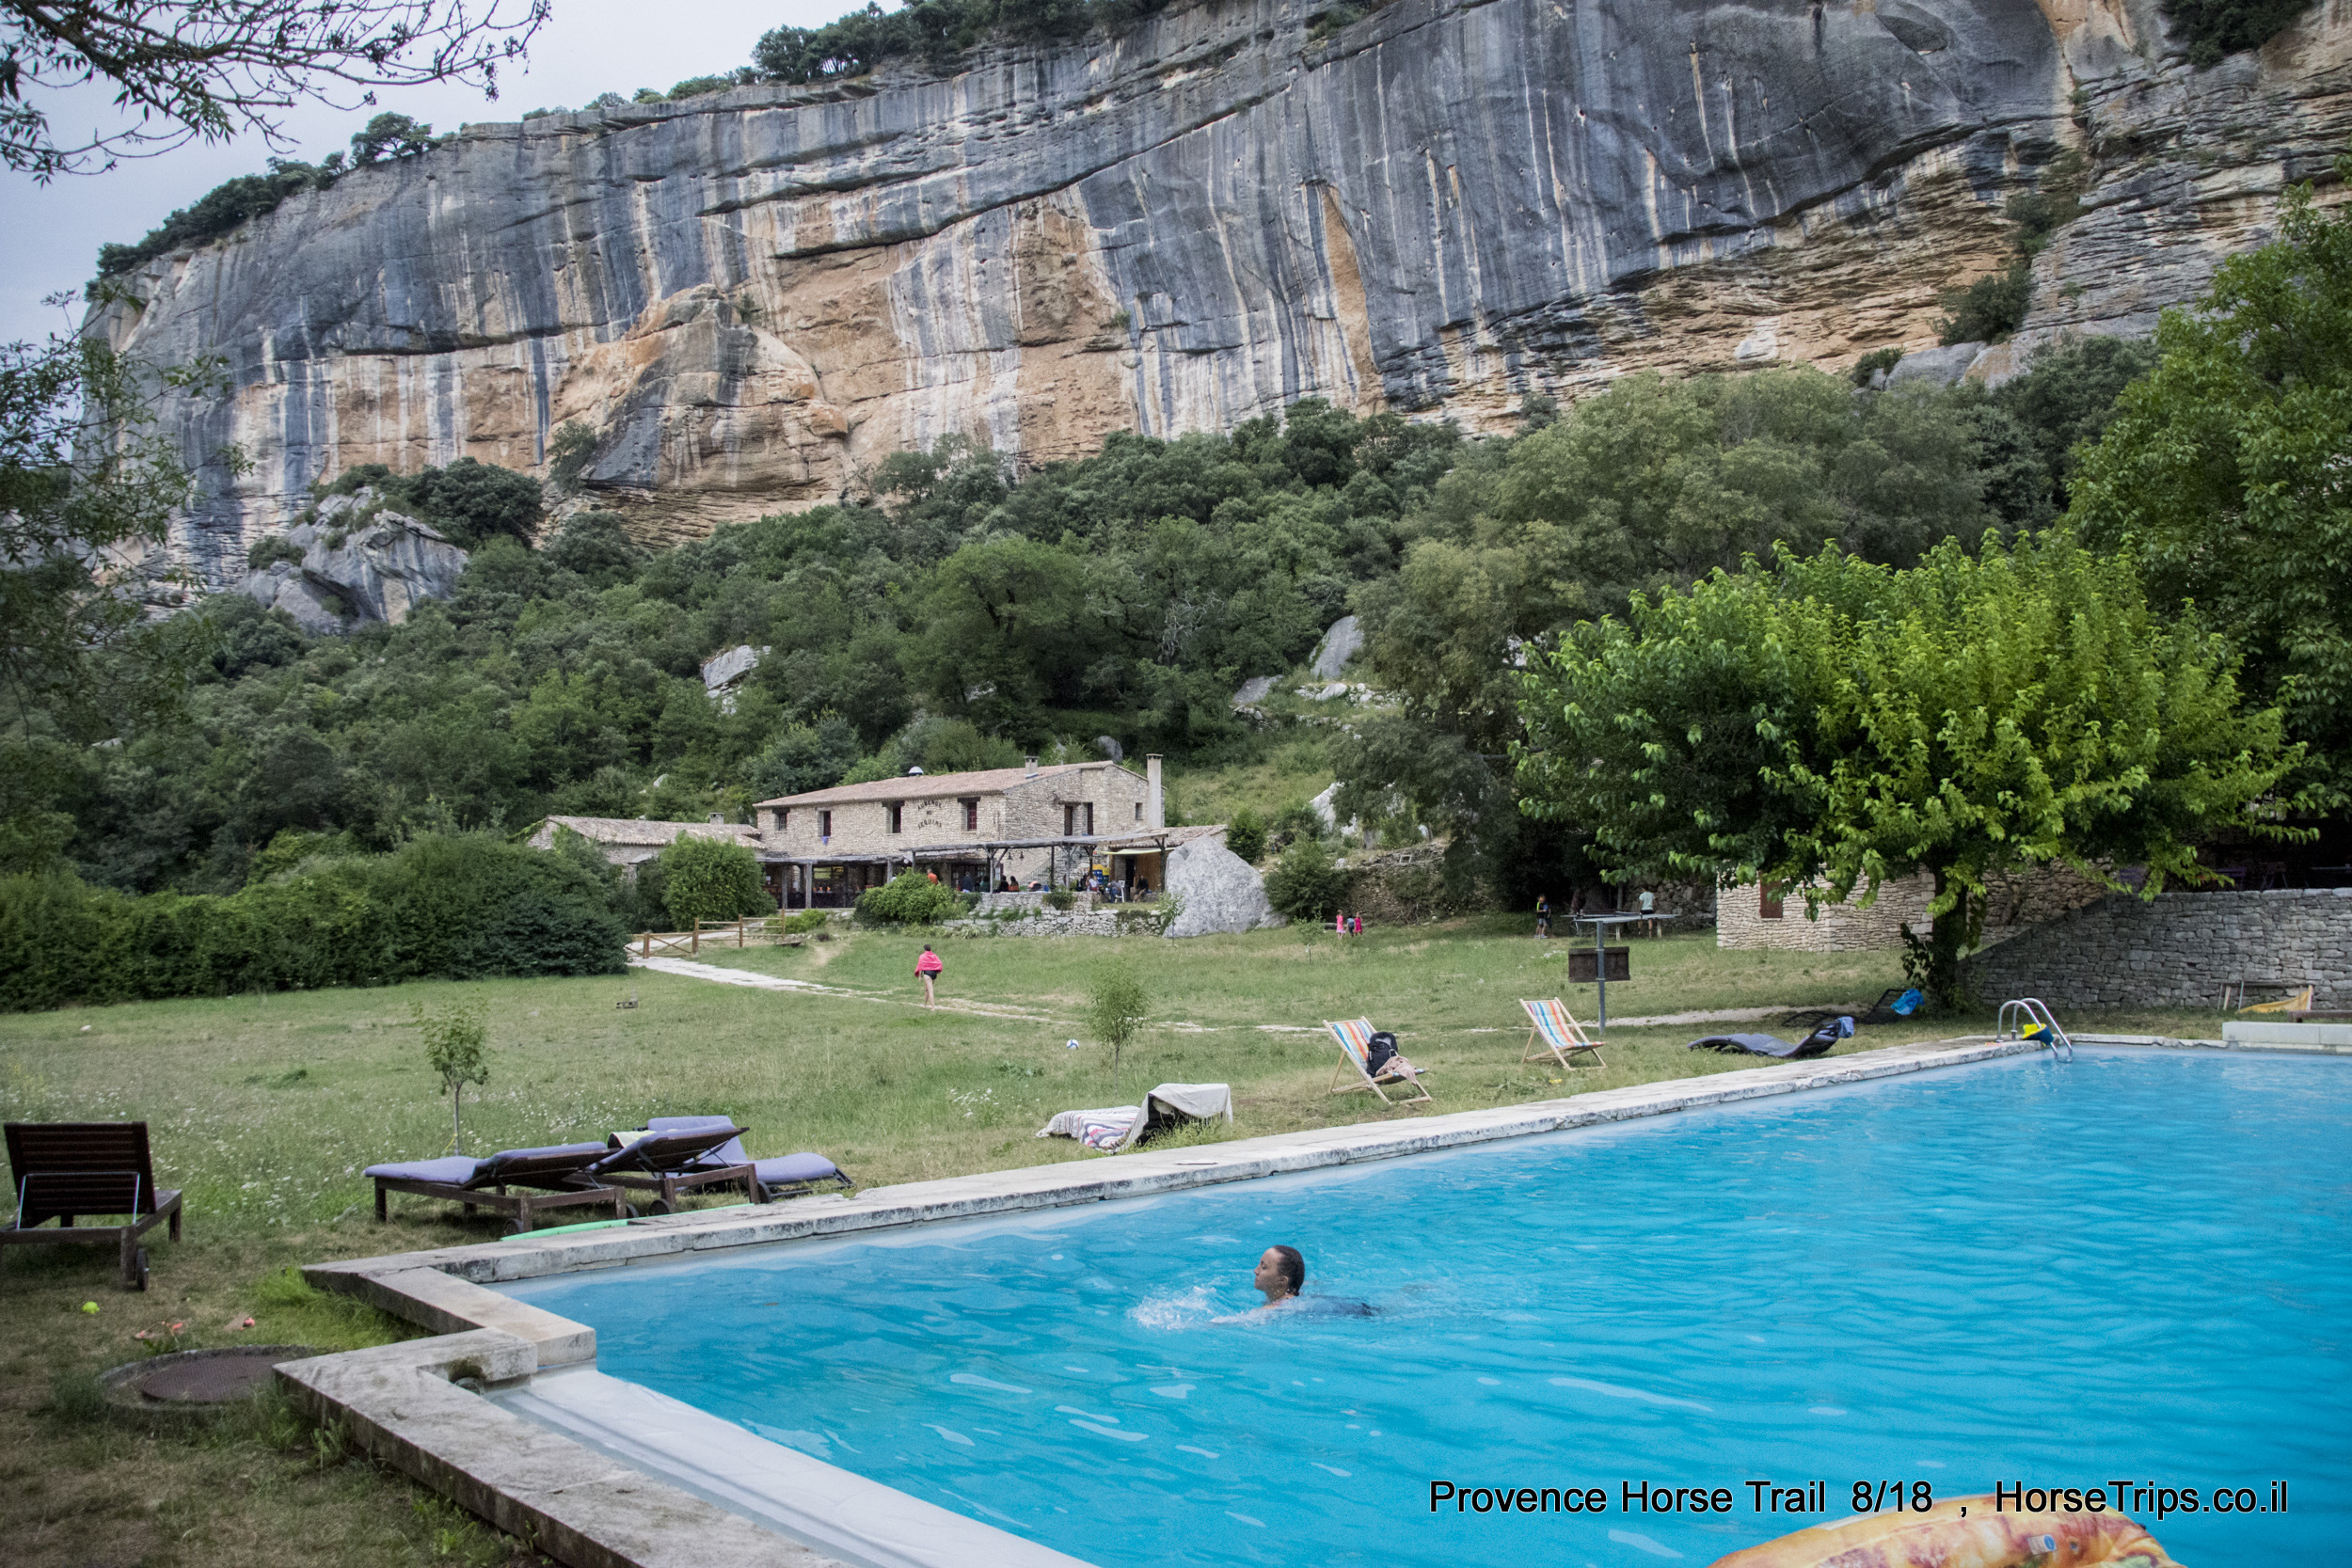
2134 1267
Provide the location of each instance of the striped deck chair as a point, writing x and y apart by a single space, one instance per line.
1556 1035
1354 1037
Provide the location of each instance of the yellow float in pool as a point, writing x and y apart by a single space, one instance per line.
1941 1537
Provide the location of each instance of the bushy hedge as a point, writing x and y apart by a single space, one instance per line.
461 907
910 899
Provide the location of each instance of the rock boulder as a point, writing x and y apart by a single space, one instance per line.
379 567
1220 890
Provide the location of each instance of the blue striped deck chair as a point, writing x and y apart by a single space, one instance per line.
1354 1037
1555 1034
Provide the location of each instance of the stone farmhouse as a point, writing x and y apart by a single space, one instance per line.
976 830
1029 825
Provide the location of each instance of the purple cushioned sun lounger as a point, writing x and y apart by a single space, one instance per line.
782 1176
547 1176
672 1160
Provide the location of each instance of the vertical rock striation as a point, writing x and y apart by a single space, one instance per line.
1443 206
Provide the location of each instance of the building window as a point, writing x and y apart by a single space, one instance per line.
971 814
1077 818
1138 811
1768 900
780 818
824 824
897 819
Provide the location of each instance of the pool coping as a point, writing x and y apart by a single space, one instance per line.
403 1405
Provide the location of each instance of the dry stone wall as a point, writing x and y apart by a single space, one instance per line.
2013 903
2178 951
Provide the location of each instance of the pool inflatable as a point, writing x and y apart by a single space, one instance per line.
1942 1538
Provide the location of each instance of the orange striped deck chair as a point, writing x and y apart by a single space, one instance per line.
1556 1035
1354 1037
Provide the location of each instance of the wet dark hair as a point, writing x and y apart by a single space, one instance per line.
1294 1267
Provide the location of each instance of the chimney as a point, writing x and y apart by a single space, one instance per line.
1153 808
717 817
1030 764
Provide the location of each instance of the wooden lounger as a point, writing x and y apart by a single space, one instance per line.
1354 1037
545 1176
69 1170
672 1160
1554 1033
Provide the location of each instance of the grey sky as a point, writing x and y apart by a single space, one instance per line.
50 235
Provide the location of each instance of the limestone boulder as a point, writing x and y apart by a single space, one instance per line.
1933 367
357 567
1220 890
1343 642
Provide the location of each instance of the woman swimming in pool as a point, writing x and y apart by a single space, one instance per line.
1282 1274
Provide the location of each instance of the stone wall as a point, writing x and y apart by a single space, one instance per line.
2013 904
1138 920
2178 951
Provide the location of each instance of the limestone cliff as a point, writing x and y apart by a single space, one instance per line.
753 296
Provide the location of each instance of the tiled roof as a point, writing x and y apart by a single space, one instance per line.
624 830
930 787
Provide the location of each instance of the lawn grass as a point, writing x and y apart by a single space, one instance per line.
264 1109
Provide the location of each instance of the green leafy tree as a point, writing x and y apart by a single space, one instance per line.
2226 475
570 449
457 1049
1305 883
1832 724
2214 29
185 70
1246 834
710 878
1118 1005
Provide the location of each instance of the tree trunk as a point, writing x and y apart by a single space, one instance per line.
1948 939
457 1128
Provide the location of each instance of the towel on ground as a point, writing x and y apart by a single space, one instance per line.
1114 1127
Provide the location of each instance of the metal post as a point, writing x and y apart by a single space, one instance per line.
1600 971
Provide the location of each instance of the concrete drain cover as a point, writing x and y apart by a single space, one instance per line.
196 1380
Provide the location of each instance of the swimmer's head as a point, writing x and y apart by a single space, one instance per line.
1281 1273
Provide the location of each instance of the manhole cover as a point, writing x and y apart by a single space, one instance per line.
196 1380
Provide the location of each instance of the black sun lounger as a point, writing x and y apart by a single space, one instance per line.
547 1176
779 1176
674 1161
71 1170
1815 1044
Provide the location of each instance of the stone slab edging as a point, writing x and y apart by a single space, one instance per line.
403 1405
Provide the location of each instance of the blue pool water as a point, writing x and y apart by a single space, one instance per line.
2136 1266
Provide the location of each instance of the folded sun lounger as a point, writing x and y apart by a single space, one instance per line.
1815 1044
780 1176
70 1171
672 1160
1354 1037
1559 1034
547 1178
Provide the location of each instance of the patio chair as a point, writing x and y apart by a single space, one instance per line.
1354 1037
520 1183
780 1176
1815 1044
71 1170
1556 1033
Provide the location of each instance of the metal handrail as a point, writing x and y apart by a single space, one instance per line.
2035 1012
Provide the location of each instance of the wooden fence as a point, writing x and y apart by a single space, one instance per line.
718 933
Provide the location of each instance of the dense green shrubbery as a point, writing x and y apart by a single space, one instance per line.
936 31
465 907
471 501
2215 28
1245 835
910 899
1305 883
707 878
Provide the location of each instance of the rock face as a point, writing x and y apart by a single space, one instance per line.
1221 891
751 296
378 568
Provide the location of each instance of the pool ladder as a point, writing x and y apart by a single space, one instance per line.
2029 1012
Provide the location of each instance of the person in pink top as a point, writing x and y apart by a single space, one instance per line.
927 968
